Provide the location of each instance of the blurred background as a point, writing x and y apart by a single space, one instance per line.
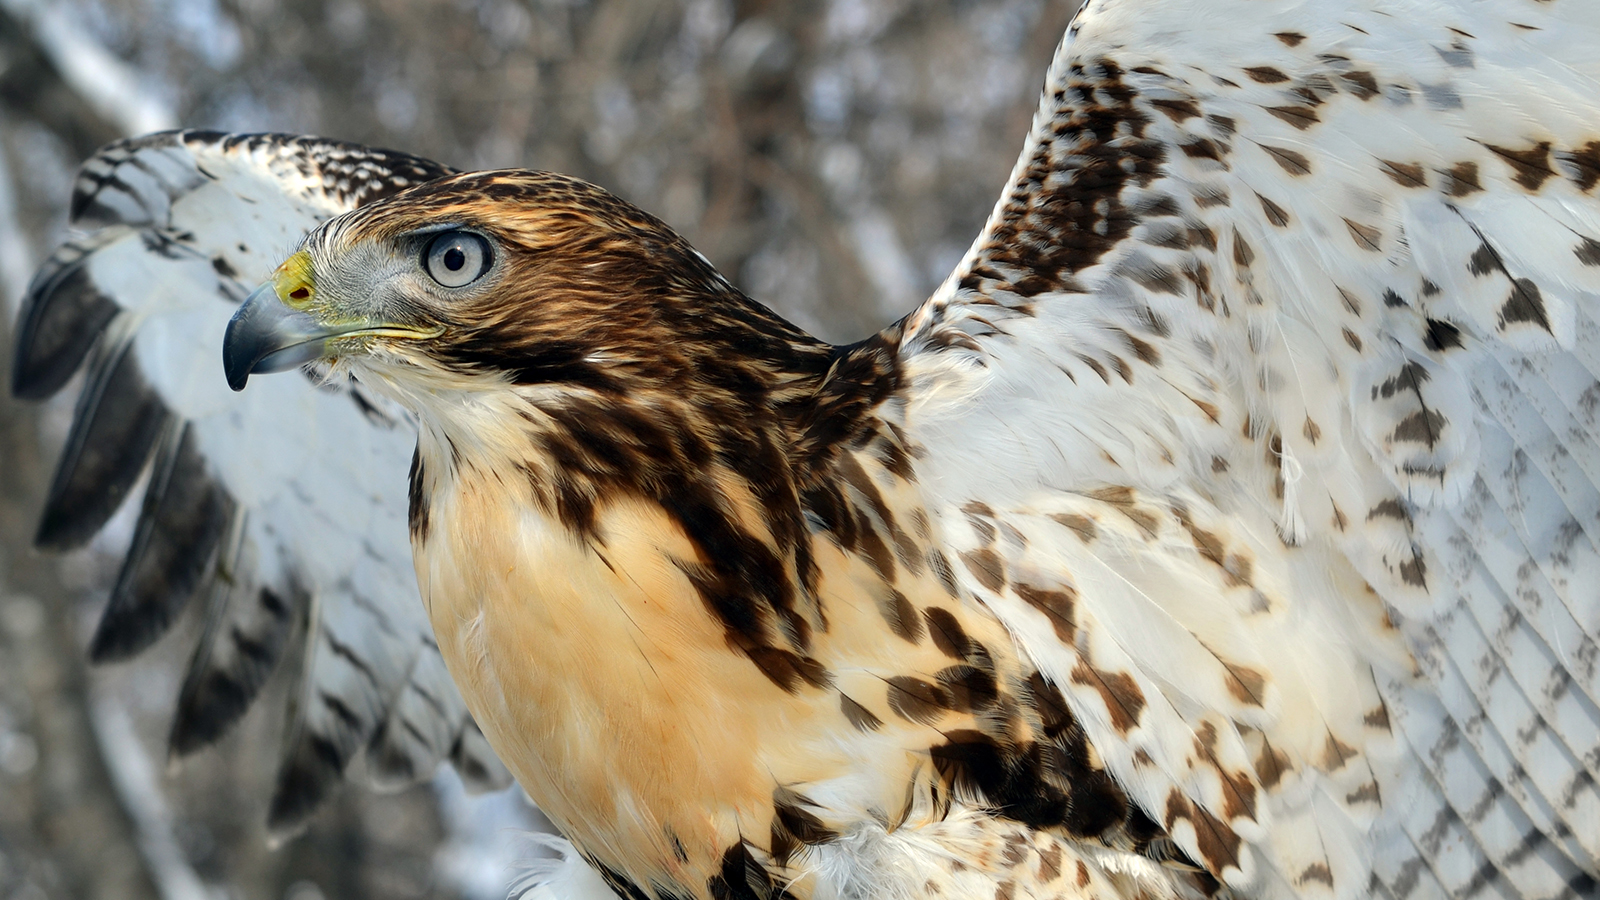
834 159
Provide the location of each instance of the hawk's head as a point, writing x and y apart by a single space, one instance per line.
541 318
493 279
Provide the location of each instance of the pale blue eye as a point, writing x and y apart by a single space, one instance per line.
456 258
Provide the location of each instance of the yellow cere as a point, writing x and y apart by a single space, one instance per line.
293 282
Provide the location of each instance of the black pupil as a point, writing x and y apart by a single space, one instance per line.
454 259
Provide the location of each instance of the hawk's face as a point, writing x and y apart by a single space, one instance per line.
491 279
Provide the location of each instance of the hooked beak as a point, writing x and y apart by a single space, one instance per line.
274 329
265 335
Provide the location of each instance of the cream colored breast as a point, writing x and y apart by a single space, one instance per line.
600 677
617 698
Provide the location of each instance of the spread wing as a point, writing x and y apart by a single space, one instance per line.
280 512
1264 413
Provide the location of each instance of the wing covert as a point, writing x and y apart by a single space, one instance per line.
1278 359
282 511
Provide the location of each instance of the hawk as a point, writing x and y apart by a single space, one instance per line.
1218 528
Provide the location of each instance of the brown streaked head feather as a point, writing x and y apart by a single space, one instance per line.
590 291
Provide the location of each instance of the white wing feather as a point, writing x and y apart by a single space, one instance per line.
1279 358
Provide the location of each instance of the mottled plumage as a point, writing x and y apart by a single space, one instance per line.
1224 525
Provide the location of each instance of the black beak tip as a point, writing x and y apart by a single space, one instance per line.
265 336
235 364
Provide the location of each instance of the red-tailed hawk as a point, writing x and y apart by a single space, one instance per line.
1220 527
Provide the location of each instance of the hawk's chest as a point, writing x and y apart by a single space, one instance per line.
609 688
595 673
654 735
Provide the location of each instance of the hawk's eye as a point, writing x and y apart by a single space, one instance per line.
456 258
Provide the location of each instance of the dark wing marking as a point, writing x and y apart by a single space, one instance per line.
1354 414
